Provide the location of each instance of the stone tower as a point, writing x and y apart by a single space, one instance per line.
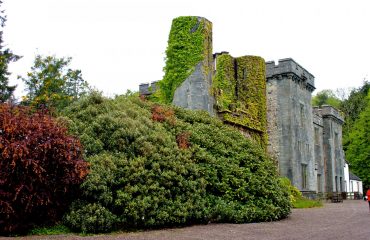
333 154
189 64
290 122
239 90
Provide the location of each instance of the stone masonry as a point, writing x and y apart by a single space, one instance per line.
290 122
194 92
333 153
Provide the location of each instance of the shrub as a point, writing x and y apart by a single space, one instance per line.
294 193
40 169
90 218
157 166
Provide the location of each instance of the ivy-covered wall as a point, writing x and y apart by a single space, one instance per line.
189 44
236 90
239 88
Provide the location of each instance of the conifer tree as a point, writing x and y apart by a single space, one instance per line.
6 56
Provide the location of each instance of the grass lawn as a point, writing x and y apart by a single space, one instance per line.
307 203
54 230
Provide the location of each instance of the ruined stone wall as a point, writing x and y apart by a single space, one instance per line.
236 91
189 65
290 86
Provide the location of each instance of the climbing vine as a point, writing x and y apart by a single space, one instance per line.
224 83
240 93
186 48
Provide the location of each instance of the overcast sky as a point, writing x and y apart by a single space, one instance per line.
119 44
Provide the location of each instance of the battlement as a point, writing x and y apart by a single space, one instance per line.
329 111
147 89
317 118
286 66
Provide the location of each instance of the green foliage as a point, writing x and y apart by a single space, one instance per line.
52 84
326 97
184 51
358 145
41 169
294 193
156 166
6 57
224 82
307 203
352 107
241 96
90 218
53 230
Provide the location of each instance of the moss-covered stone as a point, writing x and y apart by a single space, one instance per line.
240 93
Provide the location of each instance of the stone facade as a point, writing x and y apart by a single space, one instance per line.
290 121
306 142
333 152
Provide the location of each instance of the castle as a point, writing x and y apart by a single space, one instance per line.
268 102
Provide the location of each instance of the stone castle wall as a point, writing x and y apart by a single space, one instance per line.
194 92
290 86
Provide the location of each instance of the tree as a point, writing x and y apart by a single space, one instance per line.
353 106
6 56
52 84
358 145
326 97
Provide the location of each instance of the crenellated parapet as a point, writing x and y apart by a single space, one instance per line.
147 89
291 69
317 118
327 111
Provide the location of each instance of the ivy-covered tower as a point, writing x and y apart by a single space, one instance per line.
232 88
239 88
189 64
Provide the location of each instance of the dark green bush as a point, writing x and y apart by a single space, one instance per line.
156 166
90 218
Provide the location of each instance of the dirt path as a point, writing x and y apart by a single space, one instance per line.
348 220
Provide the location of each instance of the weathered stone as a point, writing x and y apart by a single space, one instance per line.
290 122
333 153
194 92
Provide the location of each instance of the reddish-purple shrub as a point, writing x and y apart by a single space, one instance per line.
41 167
162 114
183 140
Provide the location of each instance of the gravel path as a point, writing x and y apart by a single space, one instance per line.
347 220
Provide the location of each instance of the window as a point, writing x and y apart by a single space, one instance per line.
244 74
340 184
304 175
336 141
317 137
319 186
336 183
301 111
307 148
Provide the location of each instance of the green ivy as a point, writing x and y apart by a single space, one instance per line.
186 48
241 96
